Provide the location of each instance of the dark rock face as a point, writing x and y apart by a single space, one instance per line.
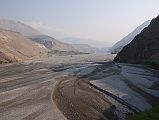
144 47
44 40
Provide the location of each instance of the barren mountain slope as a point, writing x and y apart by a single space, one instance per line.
36 36
15 47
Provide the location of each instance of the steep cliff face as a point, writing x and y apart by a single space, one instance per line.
144 47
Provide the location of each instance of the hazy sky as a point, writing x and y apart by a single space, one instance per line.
102 20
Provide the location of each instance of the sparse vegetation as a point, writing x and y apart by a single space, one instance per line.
1 62
153 64
152 114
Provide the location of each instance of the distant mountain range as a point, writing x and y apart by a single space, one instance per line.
84 48
144 48
93 43
19 42
126 40
47 41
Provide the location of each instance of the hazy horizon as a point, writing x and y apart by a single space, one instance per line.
100 20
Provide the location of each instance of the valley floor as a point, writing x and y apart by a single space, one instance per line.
79 87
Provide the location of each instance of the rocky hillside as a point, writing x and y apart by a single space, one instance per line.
144 47
51 43
126 40
15 47
17 26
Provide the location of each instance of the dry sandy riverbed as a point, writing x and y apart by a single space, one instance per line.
73 87
26 88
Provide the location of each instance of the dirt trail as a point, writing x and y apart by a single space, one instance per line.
79 101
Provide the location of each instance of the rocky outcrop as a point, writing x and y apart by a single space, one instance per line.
45 40
144 47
